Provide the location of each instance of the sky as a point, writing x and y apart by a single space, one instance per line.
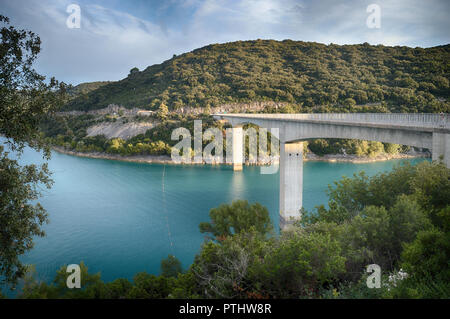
115 36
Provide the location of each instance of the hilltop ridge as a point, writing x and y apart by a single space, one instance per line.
304 74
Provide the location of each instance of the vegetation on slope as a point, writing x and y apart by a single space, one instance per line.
84 88
301 73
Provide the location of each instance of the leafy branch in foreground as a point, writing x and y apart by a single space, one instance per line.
24 99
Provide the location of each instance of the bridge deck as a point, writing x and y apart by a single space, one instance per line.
417 121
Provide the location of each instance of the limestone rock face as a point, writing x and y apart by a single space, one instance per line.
117 129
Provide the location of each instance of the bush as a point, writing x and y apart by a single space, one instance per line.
171 266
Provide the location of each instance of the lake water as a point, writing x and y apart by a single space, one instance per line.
121 218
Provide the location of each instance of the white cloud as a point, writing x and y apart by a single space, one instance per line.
110 41
108 44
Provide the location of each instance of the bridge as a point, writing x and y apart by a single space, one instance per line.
431 131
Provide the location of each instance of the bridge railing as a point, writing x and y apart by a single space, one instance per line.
409 119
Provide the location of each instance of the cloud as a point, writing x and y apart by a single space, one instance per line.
108 44
114 38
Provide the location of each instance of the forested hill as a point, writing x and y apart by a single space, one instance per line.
301 73
85 88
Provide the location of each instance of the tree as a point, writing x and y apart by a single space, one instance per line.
25 99
238 217
425 261
91 285
171 266
118 289
134 71
223 269
299 263
391 148
150 286
375 218
426 258
163 111
20 219
349 102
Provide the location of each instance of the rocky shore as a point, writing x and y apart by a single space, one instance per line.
165 159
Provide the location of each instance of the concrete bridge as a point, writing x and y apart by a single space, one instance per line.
431 131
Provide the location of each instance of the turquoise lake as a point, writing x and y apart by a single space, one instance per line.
122 218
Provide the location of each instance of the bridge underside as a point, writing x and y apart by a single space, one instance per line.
292 133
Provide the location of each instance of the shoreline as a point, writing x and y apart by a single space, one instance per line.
310 157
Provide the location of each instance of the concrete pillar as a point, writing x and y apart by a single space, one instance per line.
238 148
441 147
291 182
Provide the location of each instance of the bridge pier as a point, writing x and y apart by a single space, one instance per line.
441 147
291 182
238 148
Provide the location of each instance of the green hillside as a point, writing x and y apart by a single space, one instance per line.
301 73
85 88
